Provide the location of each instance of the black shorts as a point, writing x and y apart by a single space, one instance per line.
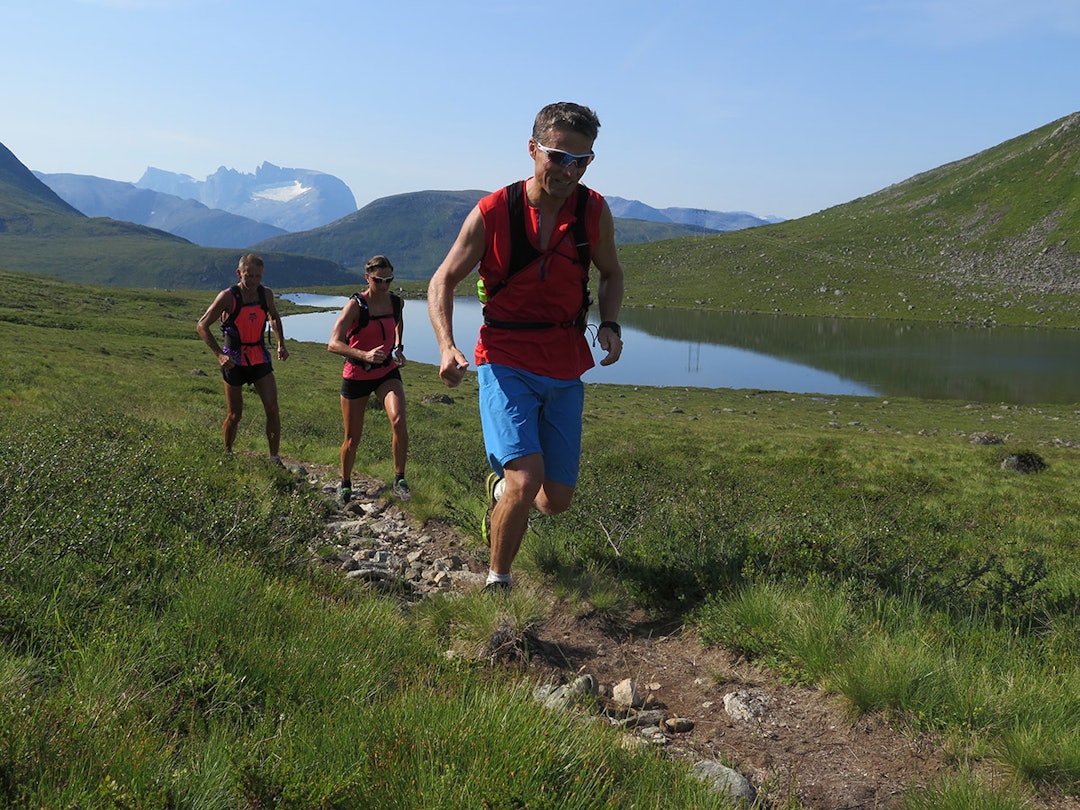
355 389
246 375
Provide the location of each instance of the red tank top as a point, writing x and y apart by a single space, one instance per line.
380 330
244 329
549 290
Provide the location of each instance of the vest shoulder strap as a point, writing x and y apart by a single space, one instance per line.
238 303
581 233
364 317
522 252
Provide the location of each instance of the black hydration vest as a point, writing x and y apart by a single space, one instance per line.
364 318
522 254
229 330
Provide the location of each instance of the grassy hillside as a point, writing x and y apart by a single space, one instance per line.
105 251
416 230
988 239
163 644
639 231
985 240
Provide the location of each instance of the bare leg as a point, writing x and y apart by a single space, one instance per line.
266 388
393 399
526 488
352 416
234 411
553 498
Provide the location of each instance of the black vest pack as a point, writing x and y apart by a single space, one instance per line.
364 318
228 323
365 314
522 253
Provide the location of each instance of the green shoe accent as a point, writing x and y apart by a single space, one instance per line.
493 480
485 522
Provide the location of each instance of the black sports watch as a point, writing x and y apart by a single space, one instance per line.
614 327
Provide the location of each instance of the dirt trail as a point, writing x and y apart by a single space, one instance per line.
804 743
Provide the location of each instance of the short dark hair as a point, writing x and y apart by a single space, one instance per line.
566 115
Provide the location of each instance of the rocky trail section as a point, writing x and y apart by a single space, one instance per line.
793 746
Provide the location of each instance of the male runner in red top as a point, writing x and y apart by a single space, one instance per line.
243 311
532 349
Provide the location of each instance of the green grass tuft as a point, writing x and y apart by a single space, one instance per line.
166 644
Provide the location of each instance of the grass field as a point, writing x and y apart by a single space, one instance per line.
166 644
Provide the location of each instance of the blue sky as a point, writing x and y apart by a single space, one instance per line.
779 108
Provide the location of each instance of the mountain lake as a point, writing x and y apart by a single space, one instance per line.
828 356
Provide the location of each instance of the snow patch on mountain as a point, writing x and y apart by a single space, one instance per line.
282 194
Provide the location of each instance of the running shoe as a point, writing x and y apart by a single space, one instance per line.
492 482
401 489
497 588
346 494
492 486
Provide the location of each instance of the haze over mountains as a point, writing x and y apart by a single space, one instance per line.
227 209
209 227
698 217
233 209
986 239
415 228
289 199
41 233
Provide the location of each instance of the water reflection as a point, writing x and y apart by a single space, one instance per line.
784 353
934 361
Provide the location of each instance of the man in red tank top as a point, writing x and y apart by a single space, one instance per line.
246 363
532 348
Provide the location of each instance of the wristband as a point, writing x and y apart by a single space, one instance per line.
400 347
614 327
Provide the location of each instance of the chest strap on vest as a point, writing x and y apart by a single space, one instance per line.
229 329
362 320
523 253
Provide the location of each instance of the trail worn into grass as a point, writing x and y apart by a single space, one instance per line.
795 743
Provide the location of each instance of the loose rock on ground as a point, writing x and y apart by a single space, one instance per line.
737 727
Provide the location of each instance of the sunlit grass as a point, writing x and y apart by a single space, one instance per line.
964 793
165 643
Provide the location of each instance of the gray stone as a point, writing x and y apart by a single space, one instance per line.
581 691
652 717
725 780
625 693
745 704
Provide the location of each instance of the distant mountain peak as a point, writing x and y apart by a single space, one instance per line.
289 199
699 217
178 215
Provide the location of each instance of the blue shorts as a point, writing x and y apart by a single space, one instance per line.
524 413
